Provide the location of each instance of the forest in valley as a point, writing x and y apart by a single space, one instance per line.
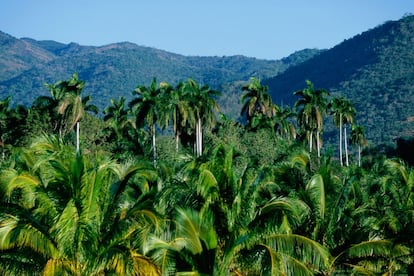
166 184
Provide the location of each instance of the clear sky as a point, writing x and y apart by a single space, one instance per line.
269 29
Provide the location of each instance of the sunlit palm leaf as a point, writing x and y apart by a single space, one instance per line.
316 190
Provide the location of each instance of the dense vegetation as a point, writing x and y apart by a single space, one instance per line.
165 184
374 70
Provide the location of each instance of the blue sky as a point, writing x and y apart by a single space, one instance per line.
269 29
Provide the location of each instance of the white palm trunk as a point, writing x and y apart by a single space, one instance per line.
318 143
310 141
154 148
77 136
199 138
346 148
340 140
177 140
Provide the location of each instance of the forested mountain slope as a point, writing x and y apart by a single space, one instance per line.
375 70
116 69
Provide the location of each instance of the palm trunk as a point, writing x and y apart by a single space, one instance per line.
177 134
177 140
200 139
340 140
199 147
346 148
77 136
317 143
154 149
310 141
359 155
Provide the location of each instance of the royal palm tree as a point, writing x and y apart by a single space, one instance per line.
176 109
311 108
343 114
203 108
146 109
71 105
62 214
256 101
284 127
358 138
50 104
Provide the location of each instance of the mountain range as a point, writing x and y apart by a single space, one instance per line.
374 69
116 69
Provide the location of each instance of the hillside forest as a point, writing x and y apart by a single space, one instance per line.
165 184
373 69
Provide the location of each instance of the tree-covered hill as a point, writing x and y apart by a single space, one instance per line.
17 56
116 69
374 69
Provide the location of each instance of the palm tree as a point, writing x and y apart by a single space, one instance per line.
343 113
358 138
122 131
203 105
62 213
176 108
311 108
117 116
145 107
71 106
238 230
256 101
284 127
50 104
384 215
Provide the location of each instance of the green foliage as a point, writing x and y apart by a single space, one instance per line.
372 70
223 198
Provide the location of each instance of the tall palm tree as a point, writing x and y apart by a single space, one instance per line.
311 108
50 104
62 213
256 101
358 138
176 109
284 127
72 106
343 114
203 108
146 109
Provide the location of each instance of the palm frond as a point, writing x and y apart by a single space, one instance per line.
188 226
17 233
306 250
316 190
